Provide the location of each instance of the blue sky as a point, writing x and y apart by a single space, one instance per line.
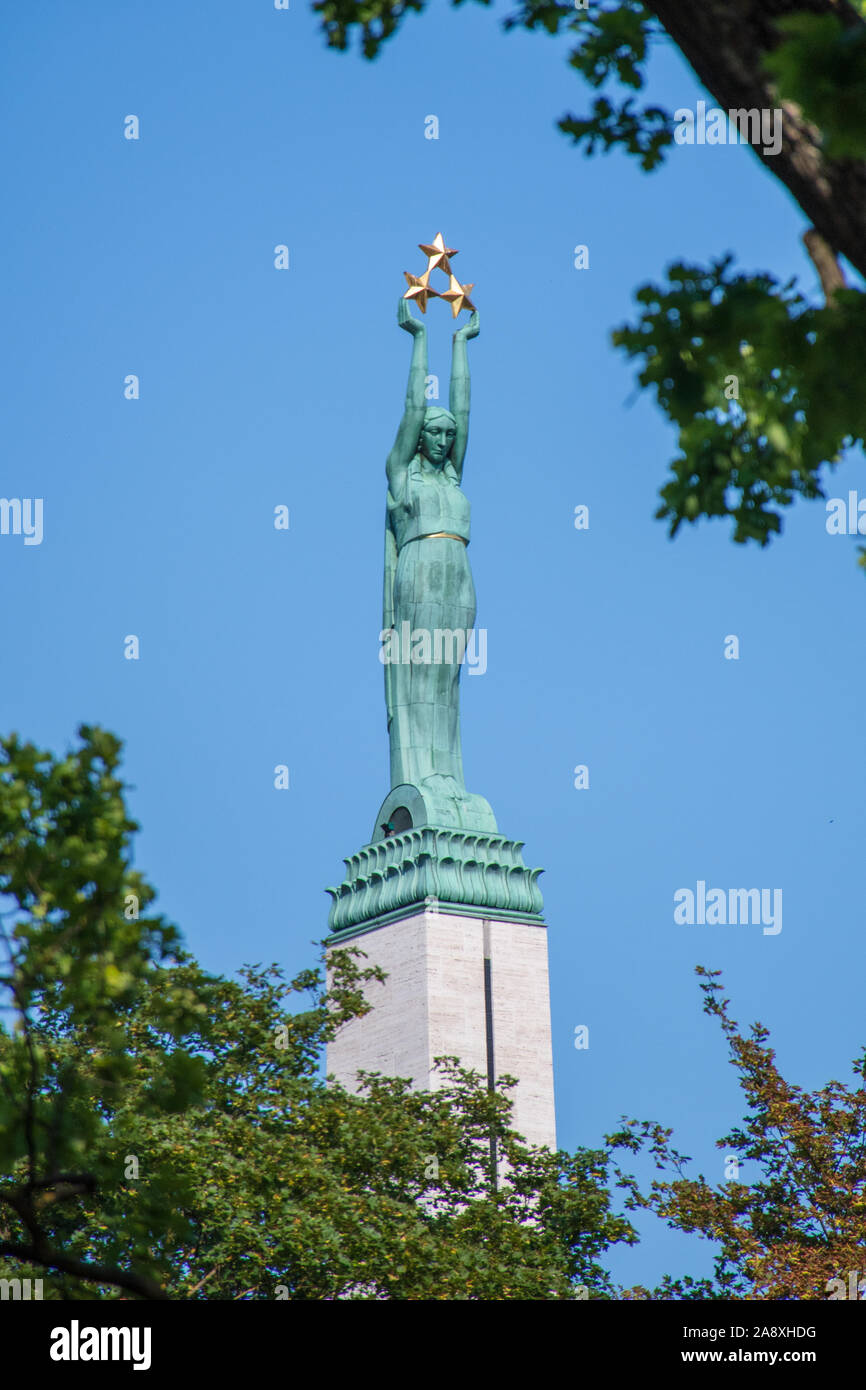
259 647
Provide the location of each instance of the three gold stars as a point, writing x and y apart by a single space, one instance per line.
438 258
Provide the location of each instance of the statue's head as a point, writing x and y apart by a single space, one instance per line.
437 435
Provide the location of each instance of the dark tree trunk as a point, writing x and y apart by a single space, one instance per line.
725 42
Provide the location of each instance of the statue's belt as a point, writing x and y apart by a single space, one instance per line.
433 535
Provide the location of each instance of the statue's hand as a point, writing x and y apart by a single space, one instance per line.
406 319
471 329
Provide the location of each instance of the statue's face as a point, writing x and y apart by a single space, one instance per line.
437 439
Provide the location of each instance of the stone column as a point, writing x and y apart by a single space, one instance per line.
440 999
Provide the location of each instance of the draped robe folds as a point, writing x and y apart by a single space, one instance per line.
428 585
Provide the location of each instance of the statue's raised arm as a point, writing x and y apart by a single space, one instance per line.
458 399
406 444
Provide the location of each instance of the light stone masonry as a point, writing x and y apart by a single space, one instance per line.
433 1003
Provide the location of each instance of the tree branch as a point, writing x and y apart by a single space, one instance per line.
81 1269
823 256
725 42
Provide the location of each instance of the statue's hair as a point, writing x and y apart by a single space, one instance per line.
433 412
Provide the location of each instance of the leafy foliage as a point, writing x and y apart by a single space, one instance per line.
293 1189
822 67
794 370
802 1223
166 1133
79 948
376 19
645 133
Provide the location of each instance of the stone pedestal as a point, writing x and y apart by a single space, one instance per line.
458 982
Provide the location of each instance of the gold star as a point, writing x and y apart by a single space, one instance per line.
419 290
457 295
437 254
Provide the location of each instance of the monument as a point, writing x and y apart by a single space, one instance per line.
438 897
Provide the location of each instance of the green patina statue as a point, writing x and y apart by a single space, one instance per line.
429 600
435 846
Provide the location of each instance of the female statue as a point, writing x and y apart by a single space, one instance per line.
428 588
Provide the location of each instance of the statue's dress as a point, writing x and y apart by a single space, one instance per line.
428 584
